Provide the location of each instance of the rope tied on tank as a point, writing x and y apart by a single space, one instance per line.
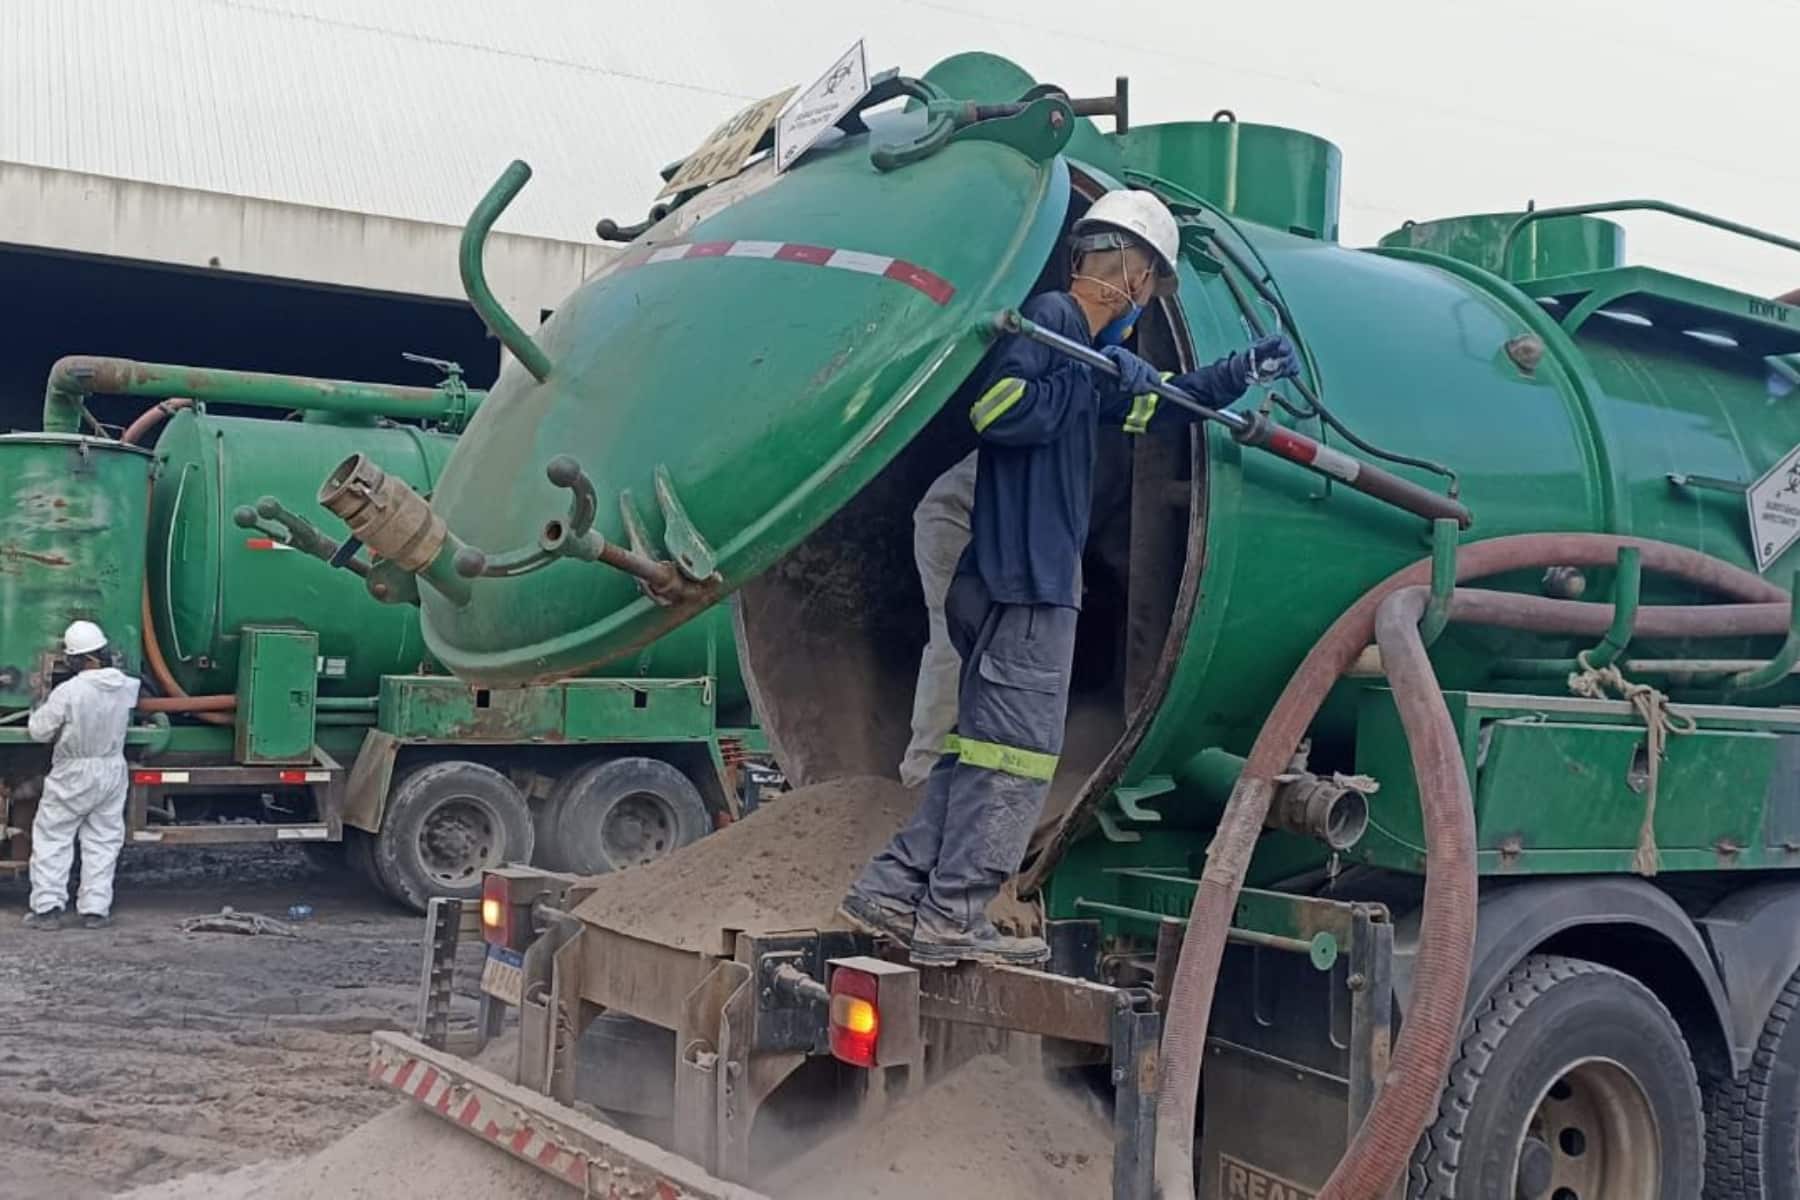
1661 721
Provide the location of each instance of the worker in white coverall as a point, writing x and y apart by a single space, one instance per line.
84 794
940 534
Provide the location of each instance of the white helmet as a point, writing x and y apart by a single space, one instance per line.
83 637
1140 216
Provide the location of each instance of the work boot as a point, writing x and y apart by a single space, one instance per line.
44 922
982 944
95 920
876 918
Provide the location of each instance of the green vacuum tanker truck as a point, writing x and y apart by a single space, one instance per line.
1440 784
282 700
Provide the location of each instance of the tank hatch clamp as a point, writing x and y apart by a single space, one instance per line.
411 540
1258 431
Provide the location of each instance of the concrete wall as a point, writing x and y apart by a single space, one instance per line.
92 214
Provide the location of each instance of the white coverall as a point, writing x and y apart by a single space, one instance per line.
85 791
940 534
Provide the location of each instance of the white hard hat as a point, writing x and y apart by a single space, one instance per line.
83 637
1140 216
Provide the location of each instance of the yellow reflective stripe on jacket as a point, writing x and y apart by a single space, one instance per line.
952 744
995 401
992 756
1143 408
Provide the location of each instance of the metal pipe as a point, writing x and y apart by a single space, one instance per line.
1264 435
1443 581
326 704
474 275
1627 587
74 378
1778 668
1661 206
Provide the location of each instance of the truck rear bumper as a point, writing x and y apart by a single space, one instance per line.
589 1156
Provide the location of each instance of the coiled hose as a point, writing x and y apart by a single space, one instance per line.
215 709
1378 1153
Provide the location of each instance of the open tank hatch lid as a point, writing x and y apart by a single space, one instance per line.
728 385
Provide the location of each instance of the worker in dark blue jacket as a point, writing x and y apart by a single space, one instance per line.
1012 607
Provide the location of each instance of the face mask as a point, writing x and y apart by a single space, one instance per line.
1119 328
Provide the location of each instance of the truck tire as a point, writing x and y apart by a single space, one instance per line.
359 854
1753 1123
1573 1083
626 812
445 824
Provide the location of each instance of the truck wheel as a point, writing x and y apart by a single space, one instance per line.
1753 1123
1573 1083
625 812
446 823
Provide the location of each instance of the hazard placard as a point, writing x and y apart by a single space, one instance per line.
821 106
1774 504
723 152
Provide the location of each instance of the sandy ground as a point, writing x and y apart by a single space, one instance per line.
215 1066
137 1053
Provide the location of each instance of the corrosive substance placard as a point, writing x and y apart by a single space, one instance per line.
1774 503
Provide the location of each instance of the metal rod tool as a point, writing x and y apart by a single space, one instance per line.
1258 431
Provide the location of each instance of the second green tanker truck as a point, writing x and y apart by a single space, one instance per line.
282 702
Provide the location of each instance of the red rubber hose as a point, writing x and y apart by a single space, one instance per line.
1379 1152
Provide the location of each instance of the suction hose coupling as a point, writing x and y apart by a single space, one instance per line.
397 525
1334 810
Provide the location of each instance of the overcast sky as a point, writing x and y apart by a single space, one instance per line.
411 107
1440 106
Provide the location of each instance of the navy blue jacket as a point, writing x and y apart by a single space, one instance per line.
1038 414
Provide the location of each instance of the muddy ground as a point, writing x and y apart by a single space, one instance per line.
138 1053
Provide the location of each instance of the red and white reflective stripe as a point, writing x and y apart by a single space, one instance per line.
305 776
932 285
506 1128
265 544
1307 452
159 777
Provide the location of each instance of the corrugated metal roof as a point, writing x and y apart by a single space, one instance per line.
410 108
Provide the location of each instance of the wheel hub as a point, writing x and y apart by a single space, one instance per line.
1593 1136
640 828
458 840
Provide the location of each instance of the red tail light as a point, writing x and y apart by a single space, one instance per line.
855 1016
496 910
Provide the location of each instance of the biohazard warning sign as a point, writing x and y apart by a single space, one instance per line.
1774 503
1238 1180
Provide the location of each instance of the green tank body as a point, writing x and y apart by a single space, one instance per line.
72 522
209 577
764 375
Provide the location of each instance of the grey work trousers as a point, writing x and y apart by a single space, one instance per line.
984 798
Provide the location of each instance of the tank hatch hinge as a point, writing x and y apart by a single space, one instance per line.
689 550
1131 799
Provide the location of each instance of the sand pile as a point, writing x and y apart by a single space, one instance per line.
988 1129
404 1152
785 866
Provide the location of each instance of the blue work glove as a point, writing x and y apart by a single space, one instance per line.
1271 358
1135 375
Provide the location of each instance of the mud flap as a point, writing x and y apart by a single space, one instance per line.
365 795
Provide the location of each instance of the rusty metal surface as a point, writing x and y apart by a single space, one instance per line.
1019 999
556 1139
73 520
639 978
